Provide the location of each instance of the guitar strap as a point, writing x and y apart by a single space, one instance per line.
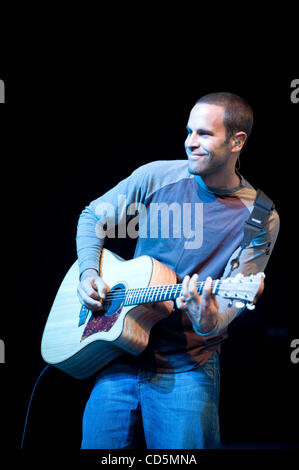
263 206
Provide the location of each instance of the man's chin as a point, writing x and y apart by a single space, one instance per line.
195 170
199 166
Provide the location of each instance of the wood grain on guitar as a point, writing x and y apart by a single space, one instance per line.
141 292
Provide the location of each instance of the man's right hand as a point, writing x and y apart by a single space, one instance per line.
91 290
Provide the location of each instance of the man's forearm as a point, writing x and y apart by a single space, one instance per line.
89 245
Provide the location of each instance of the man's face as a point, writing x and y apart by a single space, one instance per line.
206 145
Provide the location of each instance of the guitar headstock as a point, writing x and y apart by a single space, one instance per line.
244 289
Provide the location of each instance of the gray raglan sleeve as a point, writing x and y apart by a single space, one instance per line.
253 260
101 216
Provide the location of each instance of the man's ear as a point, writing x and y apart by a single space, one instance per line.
238 141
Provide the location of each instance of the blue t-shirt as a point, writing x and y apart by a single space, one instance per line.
191 228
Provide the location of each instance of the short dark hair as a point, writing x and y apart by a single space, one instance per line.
238 115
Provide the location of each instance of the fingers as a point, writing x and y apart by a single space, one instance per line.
181 304
207 290
181 301
185 285
89 287
208 299
101 287
91 292
190 295
189 289
87 300
193 288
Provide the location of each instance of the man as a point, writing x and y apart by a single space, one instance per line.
167 397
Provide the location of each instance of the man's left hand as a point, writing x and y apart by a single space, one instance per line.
201 309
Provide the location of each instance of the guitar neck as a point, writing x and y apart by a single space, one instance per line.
161 293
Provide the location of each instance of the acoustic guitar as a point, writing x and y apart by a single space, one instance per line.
140 292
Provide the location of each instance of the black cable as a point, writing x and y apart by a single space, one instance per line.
29 405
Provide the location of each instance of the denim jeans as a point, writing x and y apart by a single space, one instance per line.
131 408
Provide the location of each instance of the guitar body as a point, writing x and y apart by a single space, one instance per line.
81 343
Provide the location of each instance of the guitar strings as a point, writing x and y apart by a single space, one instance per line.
151 289
155 290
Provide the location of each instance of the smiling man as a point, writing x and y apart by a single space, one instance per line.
214 140
167 397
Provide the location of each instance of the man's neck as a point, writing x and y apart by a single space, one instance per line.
222 181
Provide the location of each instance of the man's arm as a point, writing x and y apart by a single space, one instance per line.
94 222
211 314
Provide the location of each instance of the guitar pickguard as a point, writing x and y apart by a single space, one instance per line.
104 320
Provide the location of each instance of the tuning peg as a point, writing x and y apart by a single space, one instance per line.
239 304
250 306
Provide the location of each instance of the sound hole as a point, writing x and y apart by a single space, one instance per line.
105 319
114 300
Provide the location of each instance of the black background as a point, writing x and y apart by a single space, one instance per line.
68 137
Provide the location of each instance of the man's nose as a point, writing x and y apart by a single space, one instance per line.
192 141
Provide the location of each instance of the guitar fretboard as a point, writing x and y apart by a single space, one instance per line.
161 293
